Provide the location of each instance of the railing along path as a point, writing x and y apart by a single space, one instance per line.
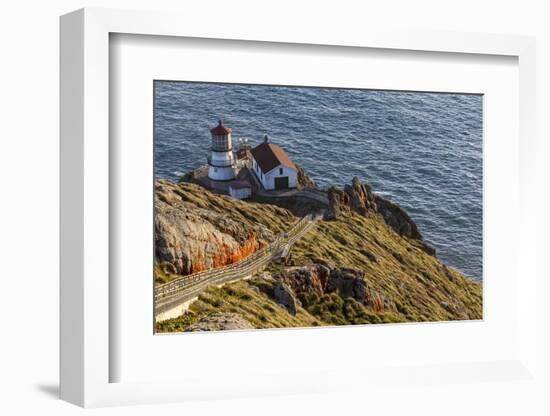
192 285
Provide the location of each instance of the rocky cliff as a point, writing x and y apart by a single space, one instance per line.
197 230
304 181
366 263
359 198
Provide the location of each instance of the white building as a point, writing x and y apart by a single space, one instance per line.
221 160
273 167
240 189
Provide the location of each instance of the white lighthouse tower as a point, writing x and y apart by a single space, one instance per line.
221 161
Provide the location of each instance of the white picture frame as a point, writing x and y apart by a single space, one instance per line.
85 212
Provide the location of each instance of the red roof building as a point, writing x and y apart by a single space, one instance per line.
272 167
268 156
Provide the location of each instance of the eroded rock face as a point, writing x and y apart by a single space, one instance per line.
397 218
285 297
337 203
298 286
190 238
348 284
361 198
356 197
304 181
220 322
308 279
319 279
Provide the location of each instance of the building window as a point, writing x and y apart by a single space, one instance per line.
215 169
280 171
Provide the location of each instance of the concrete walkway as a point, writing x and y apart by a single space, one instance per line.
307 193
172 298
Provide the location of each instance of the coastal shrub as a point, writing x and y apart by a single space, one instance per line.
164 273
245 296
329 308
268 307
352 309
178 324
413 285
400 308
334 303
309 299
211 299
229 290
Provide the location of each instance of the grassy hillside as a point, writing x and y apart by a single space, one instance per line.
196 229
422 288
416 285
189 196
245 299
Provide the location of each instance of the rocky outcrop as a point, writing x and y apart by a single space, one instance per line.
336 203
363 268
285 297
308 279
356 197
220 322
297 284
397 218
304 181
190 237
359 198
349 284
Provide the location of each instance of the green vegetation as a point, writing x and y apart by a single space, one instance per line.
245 299
163 275
196 229
192 196
416 285
422 288
332 309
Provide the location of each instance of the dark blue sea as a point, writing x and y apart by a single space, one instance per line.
421 150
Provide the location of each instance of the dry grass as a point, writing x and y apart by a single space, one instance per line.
249 213
246 300
420 286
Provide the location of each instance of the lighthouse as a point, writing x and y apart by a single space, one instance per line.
221 163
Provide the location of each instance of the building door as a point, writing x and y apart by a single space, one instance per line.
281 182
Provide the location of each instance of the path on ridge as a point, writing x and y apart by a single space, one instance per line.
178 292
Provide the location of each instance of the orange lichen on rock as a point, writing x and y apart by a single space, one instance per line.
222 256
199 264
375 301
249 246
225 256
378 305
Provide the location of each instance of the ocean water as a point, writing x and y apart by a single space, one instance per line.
421 150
